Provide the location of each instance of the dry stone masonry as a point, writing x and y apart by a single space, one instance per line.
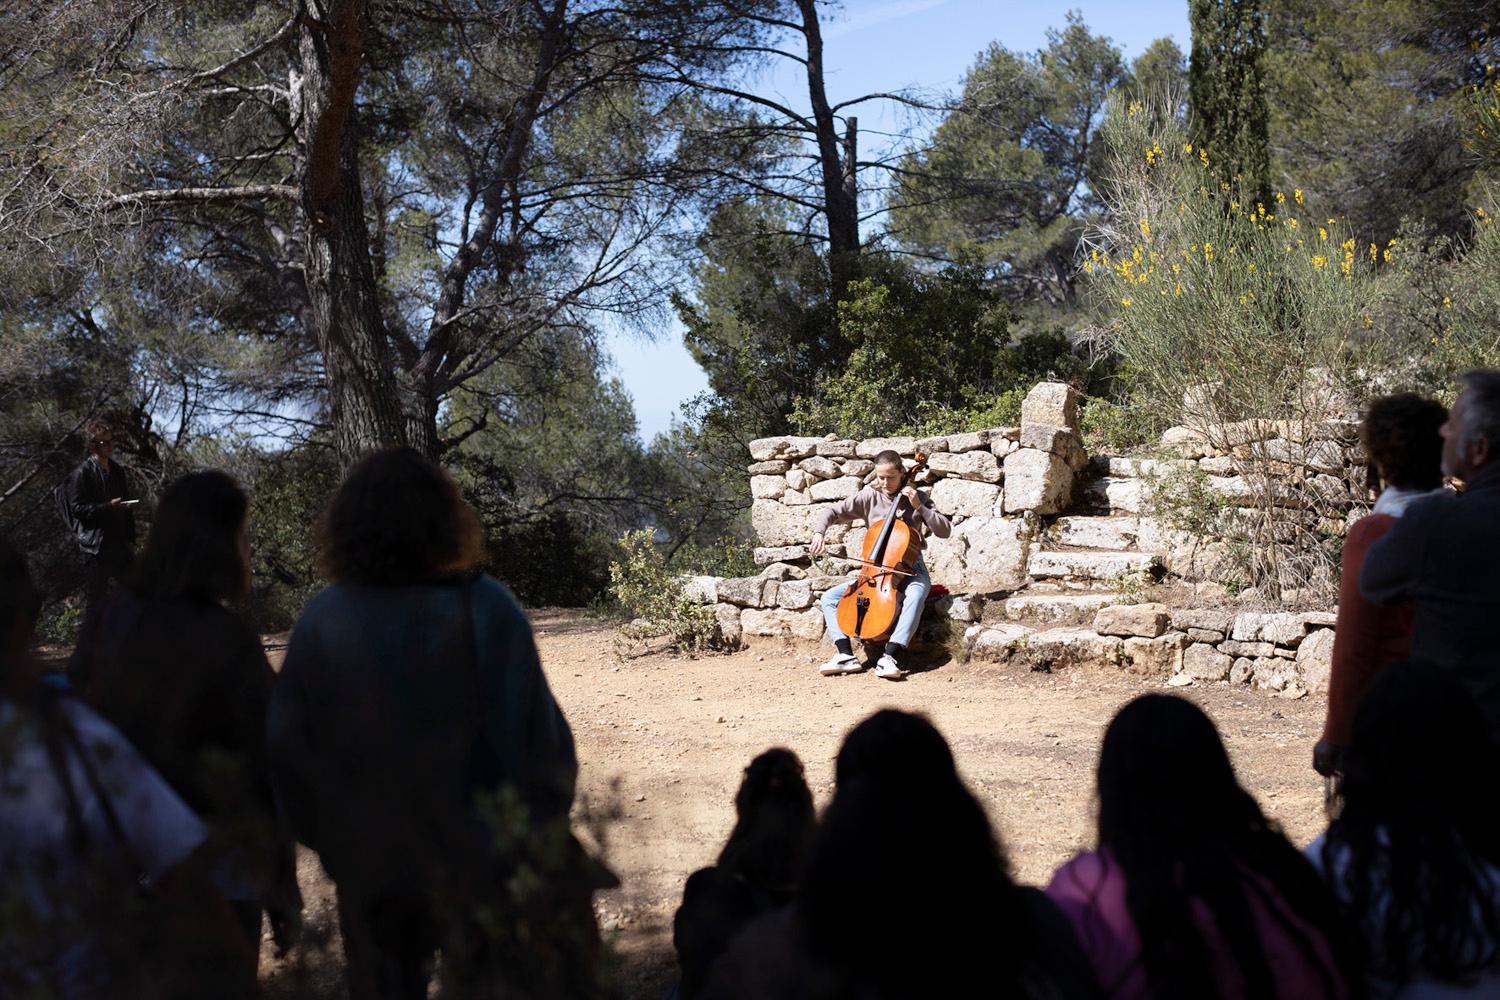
1048 545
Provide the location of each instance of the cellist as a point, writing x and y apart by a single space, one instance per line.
871 504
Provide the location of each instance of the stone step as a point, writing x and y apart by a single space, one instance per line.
1090 564
1113 533
1057 609
1117 494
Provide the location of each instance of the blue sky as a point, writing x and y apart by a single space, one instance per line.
882 45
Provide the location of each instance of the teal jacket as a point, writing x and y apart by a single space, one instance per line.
395 712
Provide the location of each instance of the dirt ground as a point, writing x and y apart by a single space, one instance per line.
662 740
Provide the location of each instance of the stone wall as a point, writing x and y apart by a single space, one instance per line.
1050 547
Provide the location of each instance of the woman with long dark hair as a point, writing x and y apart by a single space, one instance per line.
759 869
1413 852
1405 454
104 890
186 680
1192 892
907 892
418 749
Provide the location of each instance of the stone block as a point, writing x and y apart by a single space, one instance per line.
1219 465
796 498
700 589
1186 442
905 446
973 441
1119 495
782 623
996 642
983 554
1056 609
1037 481
747 591
1115 533
819 467
1204 663
783 571
1242 671
1061 648
1155 657
764 556
1087 565
980 466
775 468
1237 647
777 524
1319 619
1213 619
860 467
1273 673
837 449
962 496
1282 628
820 582
767 487
786 448
1145 620
1315 660
799 480
932 445
1321 456
835 489
1205 635
794 595
1059 441
1002 446
727 618
966 607
1052 403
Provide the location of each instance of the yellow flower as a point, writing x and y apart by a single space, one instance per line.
1297 194
1318 261
1322 234
1369 322
1125 302
1176 268
1252 268
1386 256
1260 209
1203 156
1280 198
1234 206
1349 244
1292 221
1447 302
1243 300
1187 147
1374 252
1177 290
1208 251
1145 229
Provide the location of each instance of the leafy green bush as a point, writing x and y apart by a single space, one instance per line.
58 625
648 591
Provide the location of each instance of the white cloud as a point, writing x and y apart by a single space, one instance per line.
885 12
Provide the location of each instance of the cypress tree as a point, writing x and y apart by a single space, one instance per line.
1227 94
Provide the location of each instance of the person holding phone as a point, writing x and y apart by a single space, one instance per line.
98 504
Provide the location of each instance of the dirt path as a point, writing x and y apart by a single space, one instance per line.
663 739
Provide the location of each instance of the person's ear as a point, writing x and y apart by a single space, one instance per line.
1480 451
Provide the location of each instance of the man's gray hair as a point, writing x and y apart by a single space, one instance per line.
1481 416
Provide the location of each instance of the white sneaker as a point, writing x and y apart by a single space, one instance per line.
886 668
841 663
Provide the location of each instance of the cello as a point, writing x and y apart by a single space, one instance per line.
869 610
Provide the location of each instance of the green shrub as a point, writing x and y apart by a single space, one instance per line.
58 625
650 594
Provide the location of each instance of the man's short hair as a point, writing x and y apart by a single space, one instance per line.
890 457
1481 415
94 430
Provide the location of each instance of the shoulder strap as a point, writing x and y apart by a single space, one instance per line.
106 804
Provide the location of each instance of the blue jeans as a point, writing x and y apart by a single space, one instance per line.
913 597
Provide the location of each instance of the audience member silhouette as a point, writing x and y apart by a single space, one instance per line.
417 748
907 892
103 889
1414 845
1443 555
1405 452
1192 892
187 681
758 871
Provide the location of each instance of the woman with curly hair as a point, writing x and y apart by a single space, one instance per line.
1192 893
1413 851
417 748
1404 450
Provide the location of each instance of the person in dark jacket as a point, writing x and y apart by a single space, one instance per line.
99 499
1443 555
187 681
416 746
